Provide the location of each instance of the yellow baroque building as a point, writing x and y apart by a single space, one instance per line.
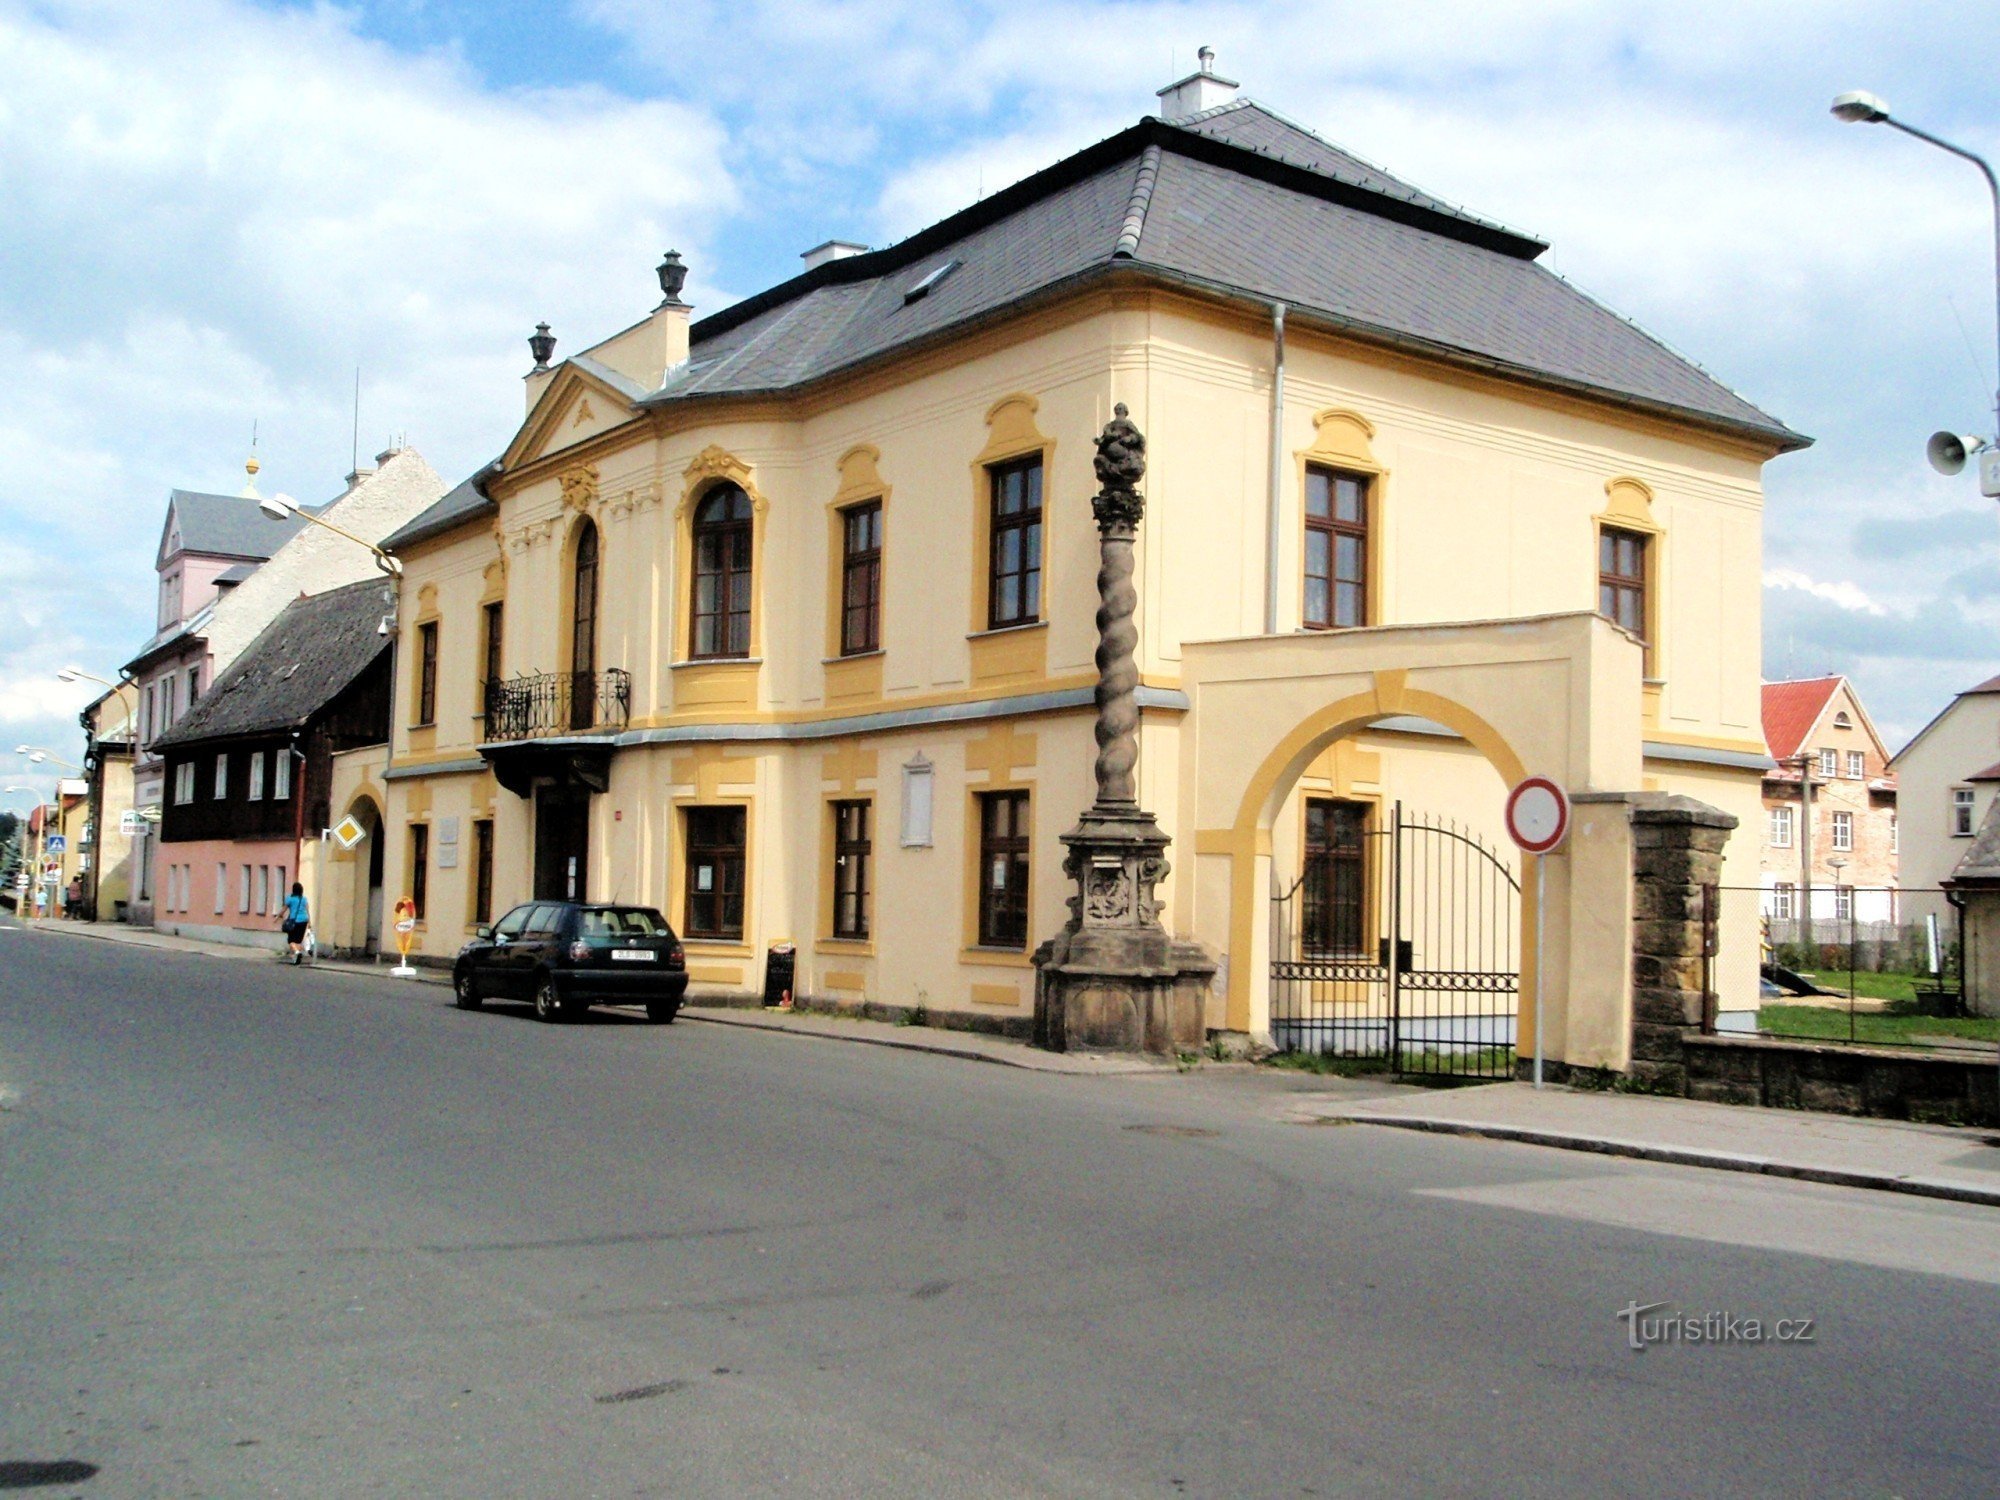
782 620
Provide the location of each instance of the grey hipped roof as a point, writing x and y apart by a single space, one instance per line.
454 508
303 659
223 526
1237 202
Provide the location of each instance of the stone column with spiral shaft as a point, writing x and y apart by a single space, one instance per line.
1112 979
1118 515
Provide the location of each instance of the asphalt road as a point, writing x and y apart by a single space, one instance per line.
271 1232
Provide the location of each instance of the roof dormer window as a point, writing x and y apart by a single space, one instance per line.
924 287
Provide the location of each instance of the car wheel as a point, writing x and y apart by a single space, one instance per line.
465 989
662 1012
548 1004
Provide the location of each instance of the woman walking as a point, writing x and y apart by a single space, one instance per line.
297 917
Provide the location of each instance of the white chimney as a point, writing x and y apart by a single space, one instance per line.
1202 89
819 255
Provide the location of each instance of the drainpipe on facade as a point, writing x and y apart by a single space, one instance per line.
1274 500
1806 847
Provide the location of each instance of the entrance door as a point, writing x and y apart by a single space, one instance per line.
1398 944
562 843
371 940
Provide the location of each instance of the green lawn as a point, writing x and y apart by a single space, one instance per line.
1870 986
1831 1023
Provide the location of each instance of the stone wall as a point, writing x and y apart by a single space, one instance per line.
1888 1083
1676 850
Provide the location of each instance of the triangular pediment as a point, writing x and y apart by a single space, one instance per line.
576 405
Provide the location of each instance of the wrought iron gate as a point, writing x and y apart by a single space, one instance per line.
1400 943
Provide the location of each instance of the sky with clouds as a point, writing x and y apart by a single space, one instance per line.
217 210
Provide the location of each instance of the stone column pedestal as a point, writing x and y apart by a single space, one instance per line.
1113 980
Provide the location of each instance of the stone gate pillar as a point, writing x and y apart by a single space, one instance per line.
1112 979
1676 850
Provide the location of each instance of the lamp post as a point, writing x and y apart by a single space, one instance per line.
283 507
33 873
36 756
1947 451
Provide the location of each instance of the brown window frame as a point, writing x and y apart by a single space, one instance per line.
482 870
1003 909
1029 523
420 868
1333 908
861 575
585 567
427 673
493 617
716 540
1615 585
1335 528
853 866
719 836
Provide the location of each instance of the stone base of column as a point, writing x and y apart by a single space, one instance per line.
1083 1005
1113 980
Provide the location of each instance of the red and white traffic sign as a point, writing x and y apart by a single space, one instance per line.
1537 815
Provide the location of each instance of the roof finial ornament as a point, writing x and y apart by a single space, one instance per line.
541 344
250 468
673 274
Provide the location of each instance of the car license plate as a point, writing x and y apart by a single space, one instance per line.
634 956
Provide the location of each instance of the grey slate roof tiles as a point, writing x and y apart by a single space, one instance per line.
1400 280
315 648
1253 126
1246 204
225 525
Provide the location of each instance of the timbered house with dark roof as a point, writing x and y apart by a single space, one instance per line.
249 767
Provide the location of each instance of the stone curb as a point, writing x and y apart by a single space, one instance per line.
1721 1161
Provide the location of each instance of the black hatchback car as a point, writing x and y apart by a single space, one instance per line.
564 956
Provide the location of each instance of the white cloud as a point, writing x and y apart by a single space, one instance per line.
216 212
1846 595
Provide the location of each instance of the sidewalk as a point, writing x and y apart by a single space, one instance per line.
965 1044
1933 1161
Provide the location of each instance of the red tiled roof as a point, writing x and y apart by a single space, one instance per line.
1990 685
1790 711
1991 773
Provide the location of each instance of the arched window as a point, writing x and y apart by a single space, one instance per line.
583 631
721 623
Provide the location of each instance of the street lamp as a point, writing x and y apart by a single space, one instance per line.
1947 451
28 887
36 755
283 507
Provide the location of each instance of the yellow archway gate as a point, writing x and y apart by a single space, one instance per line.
1558 695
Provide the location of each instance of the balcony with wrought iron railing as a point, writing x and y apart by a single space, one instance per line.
557 703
